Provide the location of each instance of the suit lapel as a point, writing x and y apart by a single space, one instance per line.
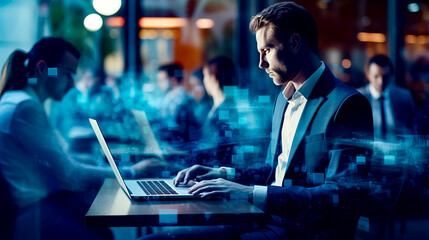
277 124
324 85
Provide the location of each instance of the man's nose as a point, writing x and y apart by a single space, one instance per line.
262 62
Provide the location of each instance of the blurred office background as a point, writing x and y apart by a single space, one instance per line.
123 42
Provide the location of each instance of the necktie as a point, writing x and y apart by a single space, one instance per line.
383 118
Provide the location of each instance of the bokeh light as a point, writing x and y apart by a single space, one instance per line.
107 7
93 22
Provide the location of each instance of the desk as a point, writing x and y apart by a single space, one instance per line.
112 208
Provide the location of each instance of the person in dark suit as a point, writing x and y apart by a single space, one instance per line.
392 106
311 186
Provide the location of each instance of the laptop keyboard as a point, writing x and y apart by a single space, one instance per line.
156 188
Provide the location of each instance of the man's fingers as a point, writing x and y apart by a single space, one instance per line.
213 194
207 176
214 184
178 179
191 173
200 190
188 177
198 185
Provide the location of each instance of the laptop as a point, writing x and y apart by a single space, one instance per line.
152 145
154 188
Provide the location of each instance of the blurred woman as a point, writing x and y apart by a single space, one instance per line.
222 120
39 176
199 93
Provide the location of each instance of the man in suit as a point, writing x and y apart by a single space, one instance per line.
312 181
392 106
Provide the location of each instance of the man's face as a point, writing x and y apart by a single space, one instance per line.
58 86
197 88
163 81
379 77
276 56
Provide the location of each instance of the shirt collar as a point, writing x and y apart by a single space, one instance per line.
376 94
307 87
32 93
178 91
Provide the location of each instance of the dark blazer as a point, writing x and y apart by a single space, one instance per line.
402 107
322 163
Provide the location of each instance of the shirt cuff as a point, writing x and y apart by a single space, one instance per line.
260 197
230 172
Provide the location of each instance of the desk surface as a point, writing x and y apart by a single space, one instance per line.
112 208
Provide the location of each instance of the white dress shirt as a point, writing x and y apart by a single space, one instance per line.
171 103
297 99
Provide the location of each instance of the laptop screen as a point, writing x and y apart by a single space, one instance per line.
108 154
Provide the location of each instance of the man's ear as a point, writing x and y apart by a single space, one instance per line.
367 74
295 42
41 68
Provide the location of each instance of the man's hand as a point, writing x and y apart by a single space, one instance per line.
221 188
198 173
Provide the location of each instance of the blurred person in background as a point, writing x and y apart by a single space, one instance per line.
92 98
220 132
221 125
392 106
43 186
178 121
199 93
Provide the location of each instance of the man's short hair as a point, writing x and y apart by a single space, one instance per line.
287 18
173 70
382 61
50 50
224 70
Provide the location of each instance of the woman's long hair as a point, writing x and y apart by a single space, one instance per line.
14 73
